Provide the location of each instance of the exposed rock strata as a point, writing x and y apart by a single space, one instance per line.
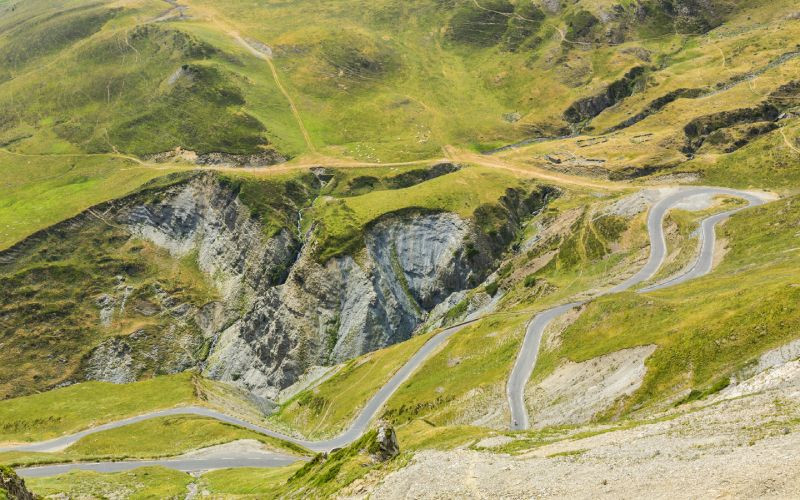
589 107
280 309
219 159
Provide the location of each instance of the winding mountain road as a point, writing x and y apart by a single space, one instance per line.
521 373
356 430
526 360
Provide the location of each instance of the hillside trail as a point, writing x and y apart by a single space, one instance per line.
266 56
460 155
452 154
788 142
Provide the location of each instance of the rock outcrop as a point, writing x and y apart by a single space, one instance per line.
281 310
386 446
331 312
263 158
12 486
589 107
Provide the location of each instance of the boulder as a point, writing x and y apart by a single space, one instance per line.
385 446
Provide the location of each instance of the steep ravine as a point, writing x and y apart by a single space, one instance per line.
325 312
280 310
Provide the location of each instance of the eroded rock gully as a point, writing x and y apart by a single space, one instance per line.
280 310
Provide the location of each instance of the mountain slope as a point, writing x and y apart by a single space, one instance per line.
268 208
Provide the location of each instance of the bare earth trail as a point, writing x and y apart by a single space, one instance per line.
265 54
526 360
457 155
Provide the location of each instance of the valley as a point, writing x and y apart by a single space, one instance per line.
310 249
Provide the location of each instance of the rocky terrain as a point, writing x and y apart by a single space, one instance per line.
280 310
12 487
740 444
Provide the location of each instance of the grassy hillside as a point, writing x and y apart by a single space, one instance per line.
70 409
369 80
149 482
330 407
39 191
461 106
700 343
104 78
52 306
384 81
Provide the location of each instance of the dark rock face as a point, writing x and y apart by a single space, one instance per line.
700 129
740 126
589 107
658 104
221 159
12 486
704 125
686 16
696 16
385 446
262 159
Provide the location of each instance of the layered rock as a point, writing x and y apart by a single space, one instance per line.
280 309
331 312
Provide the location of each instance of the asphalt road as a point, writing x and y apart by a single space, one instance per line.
356 430
185 465
521 372
526 360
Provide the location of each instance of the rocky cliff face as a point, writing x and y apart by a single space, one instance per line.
327 313
271 331
279 309
207 219
12 486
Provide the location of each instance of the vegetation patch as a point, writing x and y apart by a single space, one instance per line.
139 484
274 201
329 408
698 348
63 296
155 438
44 35
481 25
70 409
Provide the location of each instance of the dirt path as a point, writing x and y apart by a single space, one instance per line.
265 56
268 59
788 142
458 155
315 160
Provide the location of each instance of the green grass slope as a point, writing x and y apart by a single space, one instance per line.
40 191
708 328
70 409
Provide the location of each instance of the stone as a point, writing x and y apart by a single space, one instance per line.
386 445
